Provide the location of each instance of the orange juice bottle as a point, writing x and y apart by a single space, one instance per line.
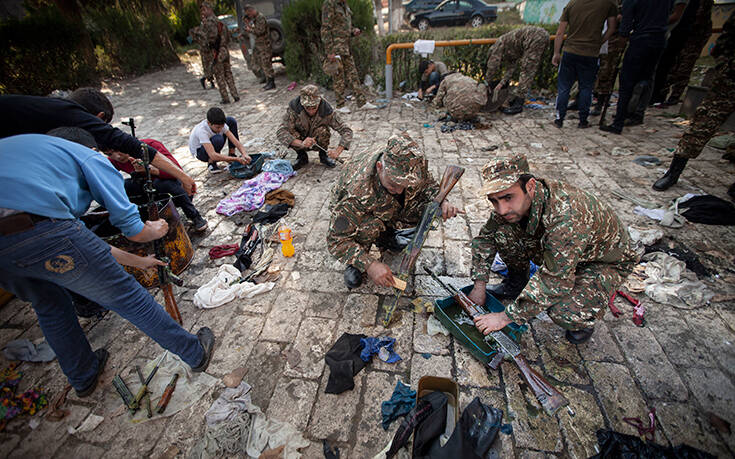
284 234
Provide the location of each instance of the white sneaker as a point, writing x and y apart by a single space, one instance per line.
344 110
368 106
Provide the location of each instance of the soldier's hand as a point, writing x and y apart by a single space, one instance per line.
308 142
138 165
332 153
487 323
380 274
478 295
556 59
449 211
148 262
356 31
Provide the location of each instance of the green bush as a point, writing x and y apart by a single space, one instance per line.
182 20
302 20
468 59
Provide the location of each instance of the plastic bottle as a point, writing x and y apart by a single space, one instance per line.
284 235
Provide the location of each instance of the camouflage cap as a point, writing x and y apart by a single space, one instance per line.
310 96
247 6
502 173
401 158
206 4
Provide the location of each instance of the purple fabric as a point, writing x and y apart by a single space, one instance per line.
251 195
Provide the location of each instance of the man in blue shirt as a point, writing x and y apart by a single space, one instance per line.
44 250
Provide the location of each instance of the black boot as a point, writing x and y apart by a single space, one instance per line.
597 108
203 80
614 128
270 84
731 191
302 160
672 175
515 107
353 277
579 336
326 160
510 287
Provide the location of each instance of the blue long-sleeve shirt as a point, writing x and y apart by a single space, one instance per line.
645 18
55 178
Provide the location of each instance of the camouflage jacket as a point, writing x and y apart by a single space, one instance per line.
336 27
461 95
572 227
359 201
297 124
510 48
724 49
217 37
261 31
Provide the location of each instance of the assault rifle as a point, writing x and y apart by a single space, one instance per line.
411 252
549 398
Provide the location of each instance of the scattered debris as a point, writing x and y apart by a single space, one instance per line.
619 151
55 413
647 161
433 327
234 378
87 425
645 236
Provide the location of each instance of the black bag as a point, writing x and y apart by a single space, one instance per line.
242 171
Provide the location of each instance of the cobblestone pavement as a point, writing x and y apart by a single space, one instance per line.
682 362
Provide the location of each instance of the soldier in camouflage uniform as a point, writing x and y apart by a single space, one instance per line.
218 40
462 96
336 33
607 74
582 249
263 52
204 52
712 112
525 47
376 194
306 127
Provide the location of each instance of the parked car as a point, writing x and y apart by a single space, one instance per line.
419 6
454 13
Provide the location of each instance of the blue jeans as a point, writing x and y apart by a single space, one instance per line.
573 68
218 140
434 80
39 264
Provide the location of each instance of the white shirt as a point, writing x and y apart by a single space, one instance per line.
202 134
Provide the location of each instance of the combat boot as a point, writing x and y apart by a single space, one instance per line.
353 277
326 160
270 84
302 159
203 80
672 175
515 107
579 336
597 108
510 287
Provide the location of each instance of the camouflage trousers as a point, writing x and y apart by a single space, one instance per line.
711 113
223 75
207 64
679 75
529 65
347 76
608 65
264 59
594 282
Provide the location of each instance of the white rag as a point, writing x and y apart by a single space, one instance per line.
423 47
670 282
218 291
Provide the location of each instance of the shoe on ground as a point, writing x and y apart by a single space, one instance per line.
206 339
368 106
583 124
580 336
102 356
611 128
203 81
633 122
326 160
302 159
515 107
344 110
671 176
199 224
224 101
270 84
559 123
214 168
353 277
237 99
596 109
211 83
731 191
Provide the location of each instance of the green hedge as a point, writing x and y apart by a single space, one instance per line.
469 59
302 20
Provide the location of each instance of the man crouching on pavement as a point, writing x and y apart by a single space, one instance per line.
377 194
582 248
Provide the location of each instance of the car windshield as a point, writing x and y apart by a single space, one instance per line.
445 2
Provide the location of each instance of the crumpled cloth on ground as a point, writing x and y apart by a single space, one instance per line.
721 141
23 349
500 267
236 427
645 236
669 218
383 346
670 282
400 403
280 196
647 161
424 46
12 405
344 362
412 96
616 444
218 291
709 210
251 194
461 125
271 214
280 166
433 327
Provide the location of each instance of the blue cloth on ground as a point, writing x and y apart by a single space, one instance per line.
280 166
400 403
499 267
383 346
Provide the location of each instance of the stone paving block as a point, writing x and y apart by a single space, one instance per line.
561 359
682 424
372 438
715 335
435 366
456 228
49 436
423 343
658 377
458 258
471 372
292 401
715 392
682 345
284 320
601 346
579 430
432 259
334 415
618 393
312 343
81 450
8 442
503 444
236 345
359 312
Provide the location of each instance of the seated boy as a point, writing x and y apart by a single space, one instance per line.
208 138
431 73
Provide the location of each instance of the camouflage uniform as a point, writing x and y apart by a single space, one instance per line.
263 51
336 32
362 208
699 34
525 47
204 51
462 96
609 63
581 246
218 39
298 125
720 101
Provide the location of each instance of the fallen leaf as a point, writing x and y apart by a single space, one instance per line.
564 148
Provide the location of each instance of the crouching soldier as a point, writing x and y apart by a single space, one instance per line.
306 127
377 194
582 248
462 96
